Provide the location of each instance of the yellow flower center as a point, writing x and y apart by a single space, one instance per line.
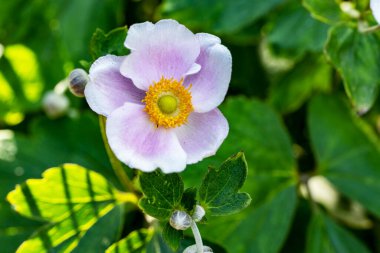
168 103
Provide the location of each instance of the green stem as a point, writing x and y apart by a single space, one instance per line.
370 29
115 163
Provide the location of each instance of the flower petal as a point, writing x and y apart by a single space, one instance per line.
202 135
107 88
375 7
137 142
210 84
166 49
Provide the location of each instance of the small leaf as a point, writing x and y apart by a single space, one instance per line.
111 43
135 242
72 199
172 236
162 193
219 190
324 235
356 56
189 200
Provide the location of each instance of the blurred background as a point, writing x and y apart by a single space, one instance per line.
312 144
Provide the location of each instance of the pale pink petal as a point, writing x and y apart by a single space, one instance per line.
375 6
168 49
202 135
210 84
107 88
137 142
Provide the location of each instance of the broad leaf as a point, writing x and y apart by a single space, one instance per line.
110 43
135 242
356 56
172 236
55 142
325 236
162 193
256 129
189 200
14 229
308 34
296 86
326 11
219 190
346 151
72 199
215 15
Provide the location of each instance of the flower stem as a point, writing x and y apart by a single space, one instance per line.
115 163
197 237
370 29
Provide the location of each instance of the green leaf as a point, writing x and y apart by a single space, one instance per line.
219 190
346 150
252 230
325 236
110 43
258 130
189 199
215 15
308 34
135 242
356 56
50 143
325 11
14 229
162 193
72 199
296 86
172 236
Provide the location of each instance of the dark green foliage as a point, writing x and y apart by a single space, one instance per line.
219 190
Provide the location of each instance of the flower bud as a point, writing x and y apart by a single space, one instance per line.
54 104
198 214
193 249
180 220
78 79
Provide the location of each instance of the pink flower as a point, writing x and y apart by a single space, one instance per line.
161 100
375 6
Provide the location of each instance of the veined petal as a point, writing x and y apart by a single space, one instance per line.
202 135
107 88
166 49
137 142
210 84
375 7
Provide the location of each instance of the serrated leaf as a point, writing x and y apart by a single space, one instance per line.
346 150
110 43
325 236
72 199
135 242
325 11
219 190
356 56
172 236
162 193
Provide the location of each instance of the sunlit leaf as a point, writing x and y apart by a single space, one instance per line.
75 200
